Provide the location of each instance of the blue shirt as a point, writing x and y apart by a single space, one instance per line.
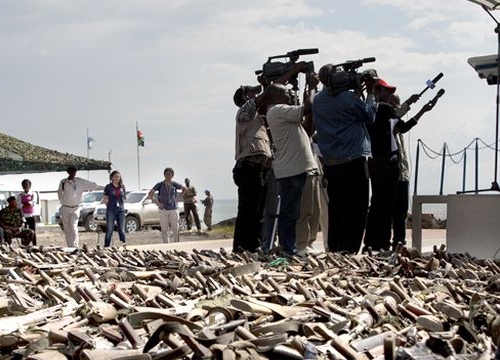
115 196
340 123
167 195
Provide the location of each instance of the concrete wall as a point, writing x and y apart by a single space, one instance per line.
473 225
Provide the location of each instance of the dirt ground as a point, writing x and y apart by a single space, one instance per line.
53 235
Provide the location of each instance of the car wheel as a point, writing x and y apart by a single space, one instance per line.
131 224
89 224
103 228
182 223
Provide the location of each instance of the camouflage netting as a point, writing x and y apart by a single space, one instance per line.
20 157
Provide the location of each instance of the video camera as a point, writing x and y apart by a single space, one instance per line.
344 76
273 70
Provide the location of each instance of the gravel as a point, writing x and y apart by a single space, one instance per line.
53 235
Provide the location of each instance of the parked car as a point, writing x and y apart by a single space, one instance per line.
141 212
89 202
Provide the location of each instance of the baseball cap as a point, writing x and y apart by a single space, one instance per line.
383 83
239 95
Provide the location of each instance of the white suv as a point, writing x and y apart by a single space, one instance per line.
140 212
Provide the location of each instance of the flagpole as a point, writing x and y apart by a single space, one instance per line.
138 159
88 153
109 159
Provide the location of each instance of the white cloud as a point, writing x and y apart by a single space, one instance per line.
174 65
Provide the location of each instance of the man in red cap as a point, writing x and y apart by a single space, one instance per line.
383 167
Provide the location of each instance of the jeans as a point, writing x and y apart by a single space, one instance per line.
113 215
290 191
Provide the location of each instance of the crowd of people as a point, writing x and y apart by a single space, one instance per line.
302 166
18 219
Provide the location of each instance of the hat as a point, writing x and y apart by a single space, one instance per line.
383 83
239 95
71 168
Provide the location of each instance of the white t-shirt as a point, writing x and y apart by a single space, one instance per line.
70 191
293 155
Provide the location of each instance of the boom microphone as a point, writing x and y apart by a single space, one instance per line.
436 79
436 97
439 93
303 52
431 84
368 59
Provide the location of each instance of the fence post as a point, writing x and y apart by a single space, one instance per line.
464 176
417 159
476 167
442 169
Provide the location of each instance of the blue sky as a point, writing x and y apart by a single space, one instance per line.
173 65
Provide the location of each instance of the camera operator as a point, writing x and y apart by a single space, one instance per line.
340 118
290 126
253 159
384 165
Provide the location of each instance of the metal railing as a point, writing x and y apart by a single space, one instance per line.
461 156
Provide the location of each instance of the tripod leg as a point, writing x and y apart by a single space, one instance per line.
275 224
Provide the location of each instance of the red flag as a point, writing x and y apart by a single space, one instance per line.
140 138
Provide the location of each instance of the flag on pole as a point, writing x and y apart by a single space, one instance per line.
90 142
140 138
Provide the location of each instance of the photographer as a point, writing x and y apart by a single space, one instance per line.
290 126
253 159
340 117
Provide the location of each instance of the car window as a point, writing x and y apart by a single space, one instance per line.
135 197
92 197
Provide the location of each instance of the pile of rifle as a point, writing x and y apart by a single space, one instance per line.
151 304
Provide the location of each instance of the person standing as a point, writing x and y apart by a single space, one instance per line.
400 211
384 165
70 193
113 198
190 207
11 221
208 202
26 200
253 158
293 156
167 205
340 116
